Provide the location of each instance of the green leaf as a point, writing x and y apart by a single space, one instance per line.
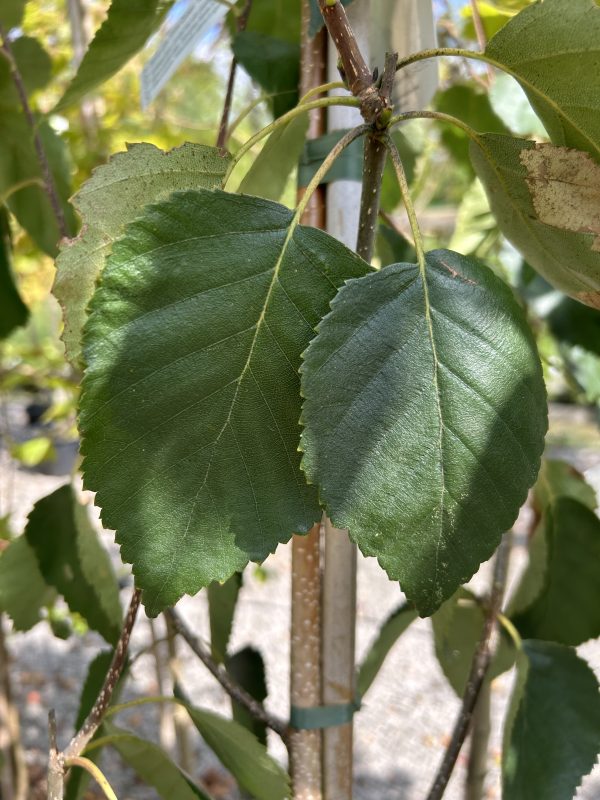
222 600
493 19
34 65
561 479
115 195
123 33
23 590
387 636
280 18
190 406
247 668
11 13
19 165
273 63
243 755
268 175
552 49
569 260
153 765
33 451
424 419
72 560
457 629
567 610
13 311
552 732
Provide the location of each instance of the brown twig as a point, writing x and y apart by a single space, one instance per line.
354 68
375 155
481 36
49 183
56 766
96 715
479 667
233 689
224 124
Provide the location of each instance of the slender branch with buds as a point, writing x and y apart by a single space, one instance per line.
59 761
233 689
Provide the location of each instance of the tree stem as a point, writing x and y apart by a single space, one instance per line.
49 184
375 155
478 752
479 667
96 715
232 688
224 124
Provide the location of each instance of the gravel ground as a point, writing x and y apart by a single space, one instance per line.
406 717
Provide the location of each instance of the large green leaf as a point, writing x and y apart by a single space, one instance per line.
567 258
270 171
387 636
552 49
115 195
567 610
457 629
424 417
279 18
153 765
273 63
552 731
23 590
190 402
72 560
222 600
13 311
243 755
123 33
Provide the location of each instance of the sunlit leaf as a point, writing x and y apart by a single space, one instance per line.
115 195
569 259
552 49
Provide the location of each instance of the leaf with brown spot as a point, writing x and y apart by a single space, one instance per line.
546 203
565 188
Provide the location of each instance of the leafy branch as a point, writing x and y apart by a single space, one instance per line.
59 762
233 689
49 183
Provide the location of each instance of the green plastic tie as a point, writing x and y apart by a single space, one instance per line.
318 717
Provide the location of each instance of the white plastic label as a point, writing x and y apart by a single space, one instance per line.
177 43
